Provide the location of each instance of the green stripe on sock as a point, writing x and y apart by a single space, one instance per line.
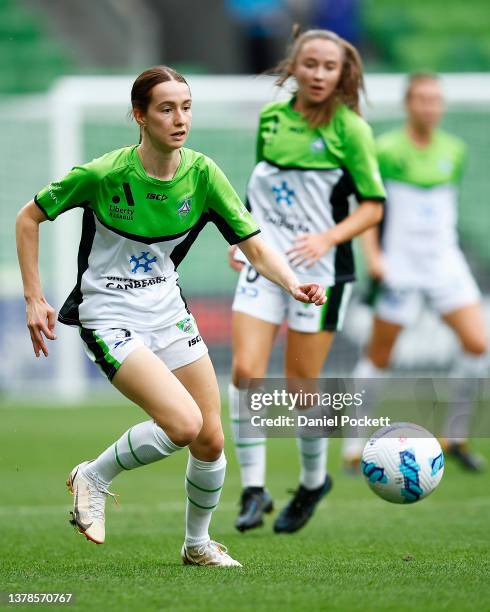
243 444
199 505
311 455
131 448
117 458
201 488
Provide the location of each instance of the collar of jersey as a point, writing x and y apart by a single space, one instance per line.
294 113
422 151
140 170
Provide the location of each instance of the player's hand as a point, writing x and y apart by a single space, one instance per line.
41 318
234 263
376 267
309 293
309 248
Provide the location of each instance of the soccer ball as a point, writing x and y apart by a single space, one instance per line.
402 463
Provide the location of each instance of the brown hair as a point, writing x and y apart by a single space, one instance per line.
146 81
417 77
351 81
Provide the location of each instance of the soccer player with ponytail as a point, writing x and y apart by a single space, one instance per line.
315 156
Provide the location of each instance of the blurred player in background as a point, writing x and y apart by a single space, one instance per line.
314 153
143 207
416 258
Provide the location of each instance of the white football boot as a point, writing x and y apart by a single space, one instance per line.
89 504
211 554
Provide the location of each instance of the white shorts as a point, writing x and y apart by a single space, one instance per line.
260 298
402 306
176 345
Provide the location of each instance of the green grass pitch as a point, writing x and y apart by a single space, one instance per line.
358 552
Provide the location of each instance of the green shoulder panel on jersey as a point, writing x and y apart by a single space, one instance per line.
268 119
351 140
439 163
128 201
271 108
78 188
267 129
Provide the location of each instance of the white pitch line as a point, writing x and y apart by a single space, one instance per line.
124 508
228 506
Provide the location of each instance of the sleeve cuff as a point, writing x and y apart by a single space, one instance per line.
246 237
41 207
380 199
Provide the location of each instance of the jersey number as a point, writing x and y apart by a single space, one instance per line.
252 274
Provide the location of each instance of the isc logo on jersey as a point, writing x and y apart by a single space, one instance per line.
194 341
156 196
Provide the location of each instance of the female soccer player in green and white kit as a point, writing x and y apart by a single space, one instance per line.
417 258
314 154
143 206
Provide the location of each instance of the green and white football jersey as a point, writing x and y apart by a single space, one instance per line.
305 179
136 231
419 237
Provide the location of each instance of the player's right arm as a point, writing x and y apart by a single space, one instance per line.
40 315
76 189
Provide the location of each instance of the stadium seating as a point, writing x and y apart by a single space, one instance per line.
443 36
30 58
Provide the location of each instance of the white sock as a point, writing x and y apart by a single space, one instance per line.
250 452
203 483
313 458
467 372
142 444
353 443
365 368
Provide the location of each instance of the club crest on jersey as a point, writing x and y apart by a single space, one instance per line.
186 325
283 193
445 165
318 145
185 207
142 261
